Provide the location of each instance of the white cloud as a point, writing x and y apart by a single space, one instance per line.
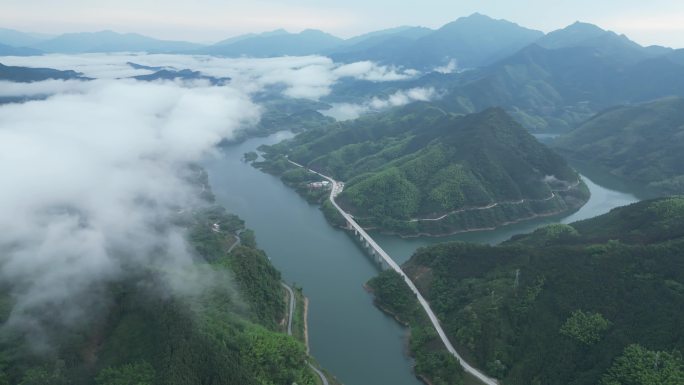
44 88
303 77
89 181
91 173
367 70
449 68
346 111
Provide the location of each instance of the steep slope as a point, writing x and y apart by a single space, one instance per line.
595 302
557 89
605 42
220 325
109 41
642 144
278 43
419 170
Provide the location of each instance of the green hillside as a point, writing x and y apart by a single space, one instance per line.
418 170
596 302
641 144
223 328
565 78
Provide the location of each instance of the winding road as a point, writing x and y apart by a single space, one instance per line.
292 307
292 302
337 188
237 240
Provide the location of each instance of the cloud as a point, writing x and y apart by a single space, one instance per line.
44 88
367 70
347 111
94 171
91 178
308 77
449 68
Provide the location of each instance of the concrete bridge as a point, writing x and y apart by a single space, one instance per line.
387 262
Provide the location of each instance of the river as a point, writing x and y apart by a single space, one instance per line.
348 335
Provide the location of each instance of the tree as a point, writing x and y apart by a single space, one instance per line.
140 373
586 328
640 366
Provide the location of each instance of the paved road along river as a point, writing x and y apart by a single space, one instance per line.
348 335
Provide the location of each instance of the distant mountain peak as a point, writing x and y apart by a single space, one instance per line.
476 15
311 31
582 34
482 22
583 27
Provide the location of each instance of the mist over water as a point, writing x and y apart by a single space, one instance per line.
93 171
91 178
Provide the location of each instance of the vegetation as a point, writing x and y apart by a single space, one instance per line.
223 326
287 114
417 162
641 144
586 328
565 78
432 360
587 303
639 366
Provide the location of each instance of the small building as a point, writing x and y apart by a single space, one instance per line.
319 185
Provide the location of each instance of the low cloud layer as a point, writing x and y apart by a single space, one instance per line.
92 171
90 178
347 111
308 77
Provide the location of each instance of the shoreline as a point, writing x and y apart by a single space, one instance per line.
407 325
306 324
319 203
471 230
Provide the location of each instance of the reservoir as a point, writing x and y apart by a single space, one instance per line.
348 335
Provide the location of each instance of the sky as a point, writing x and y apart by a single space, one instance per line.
647 22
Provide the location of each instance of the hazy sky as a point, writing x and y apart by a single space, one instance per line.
645 21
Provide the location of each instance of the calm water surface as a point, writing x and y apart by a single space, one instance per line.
348 335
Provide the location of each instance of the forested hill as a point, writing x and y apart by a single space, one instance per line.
639 143
595 302
221 325
559 80
25 74
418 169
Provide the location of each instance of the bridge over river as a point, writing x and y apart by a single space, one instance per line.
387 262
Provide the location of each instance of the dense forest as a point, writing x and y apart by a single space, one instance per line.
419 170
638 143
223 328
595 302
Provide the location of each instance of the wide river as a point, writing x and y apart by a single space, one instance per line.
348 335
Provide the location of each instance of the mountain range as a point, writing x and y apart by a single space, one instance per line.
548 82
471 41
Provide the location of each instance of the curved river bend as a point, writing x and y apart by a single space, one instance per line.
348 335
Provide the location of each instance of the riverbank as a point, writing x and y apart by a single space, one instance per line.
487 218
296 321
332 268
